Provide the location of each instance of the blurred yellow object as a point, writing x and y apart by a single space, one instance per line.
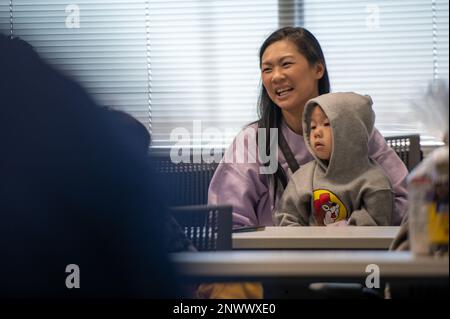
438 224
428 196
230 290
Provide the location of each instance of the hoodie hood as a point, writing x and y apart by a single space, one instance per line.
351 119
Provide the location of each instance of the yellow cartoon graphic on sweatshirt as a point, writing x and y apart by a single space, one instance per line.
328 208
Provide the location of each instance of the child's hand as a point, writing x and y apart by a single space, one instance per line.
339 223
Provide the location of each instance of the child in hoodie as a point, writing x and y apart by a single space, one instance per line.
342 186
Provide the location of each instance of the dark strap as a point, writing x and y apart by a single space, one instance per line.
292 163
286 150
281 176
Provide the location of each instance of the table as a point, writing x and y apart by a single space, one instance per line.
257 265
317 237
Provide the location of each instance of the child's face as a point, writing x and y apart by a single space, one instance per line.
321 135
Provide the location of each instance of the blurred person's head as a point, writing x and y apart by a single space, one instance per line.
134 128
75 188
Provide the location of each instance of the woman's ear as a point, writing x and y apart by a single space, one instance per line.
319 70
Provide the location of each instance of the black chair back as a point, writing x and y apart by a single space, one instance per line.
187 183
407 148
208 227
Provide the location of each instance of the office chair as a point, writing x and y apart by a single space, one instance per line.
208 227
407 148
188 183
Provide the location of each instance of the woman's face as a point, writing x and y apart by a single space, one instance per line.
287 76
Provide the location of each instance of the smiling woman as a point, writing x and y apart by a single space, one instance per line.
293 70
290 80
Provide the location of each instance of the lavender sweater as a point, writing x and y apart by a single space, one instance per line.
242 186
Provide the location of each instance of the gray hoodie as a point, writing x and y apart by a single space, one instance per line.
351 186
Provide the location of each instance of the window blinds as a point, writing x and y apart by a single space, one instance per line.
5 17
193 64
205 68
101 43
387 49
